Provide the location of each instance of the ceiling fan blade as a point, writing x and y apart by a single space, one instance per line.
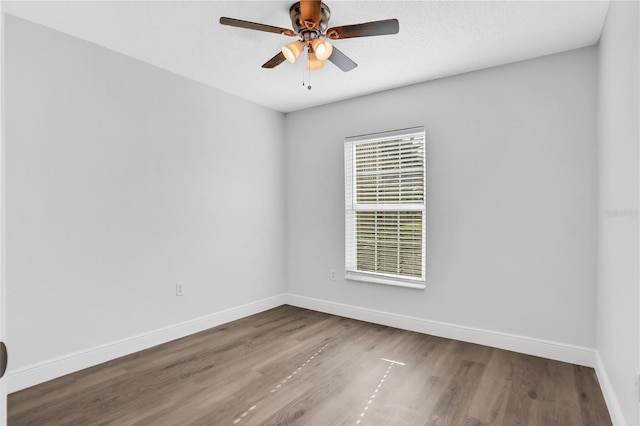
341 60
275 61
310 13
255 26
387 26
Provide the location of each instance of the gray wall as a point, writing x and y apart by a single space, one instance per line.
511 198
122 179
618 176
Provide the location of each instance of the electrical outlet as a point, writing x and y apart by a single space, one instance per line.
179 289
332 274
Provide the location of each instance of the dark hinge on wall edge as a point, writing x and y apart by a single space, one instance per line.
3 359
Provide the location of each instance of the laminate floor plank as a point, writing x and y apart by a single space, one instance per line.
291 366
589 408
489 403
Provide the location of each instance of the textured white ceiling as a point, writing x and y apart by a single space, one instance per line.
436 39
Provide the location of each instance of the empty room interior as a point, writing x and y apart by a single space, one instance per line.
416 212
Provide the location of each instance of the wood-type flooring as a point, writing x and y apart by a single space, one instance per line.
295 366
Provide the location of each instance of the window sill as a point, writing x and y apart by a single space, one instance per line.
376 279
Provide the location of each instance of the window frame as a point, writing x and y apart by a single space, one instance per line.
351 209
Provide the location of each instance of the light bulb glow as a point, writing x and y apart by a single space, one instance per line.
322 49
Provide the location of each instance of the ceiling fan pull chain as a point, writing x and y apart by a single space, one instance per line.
309 70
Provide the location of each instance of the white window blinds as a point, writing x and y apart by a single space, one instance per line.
385 207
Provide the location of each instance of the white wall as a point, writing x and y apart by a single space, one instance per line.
122 179
618 175
511 198
3 325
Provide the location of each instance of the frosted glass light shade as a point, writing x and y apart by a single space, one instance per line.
292 50
322 49
314 63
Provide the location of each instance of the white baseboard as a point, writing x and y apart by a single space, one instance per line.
34 374
615 410
522 344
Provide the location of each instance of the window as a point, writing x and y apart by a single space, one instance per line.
385 209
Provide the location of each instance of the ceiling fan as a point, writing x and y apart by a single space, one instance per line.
310 19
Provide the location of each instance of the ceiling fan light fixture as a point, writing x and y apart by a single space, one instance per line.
314 63
321 48
292 50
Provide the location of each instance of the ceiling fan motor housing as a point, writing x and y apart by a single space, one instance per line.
300 28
